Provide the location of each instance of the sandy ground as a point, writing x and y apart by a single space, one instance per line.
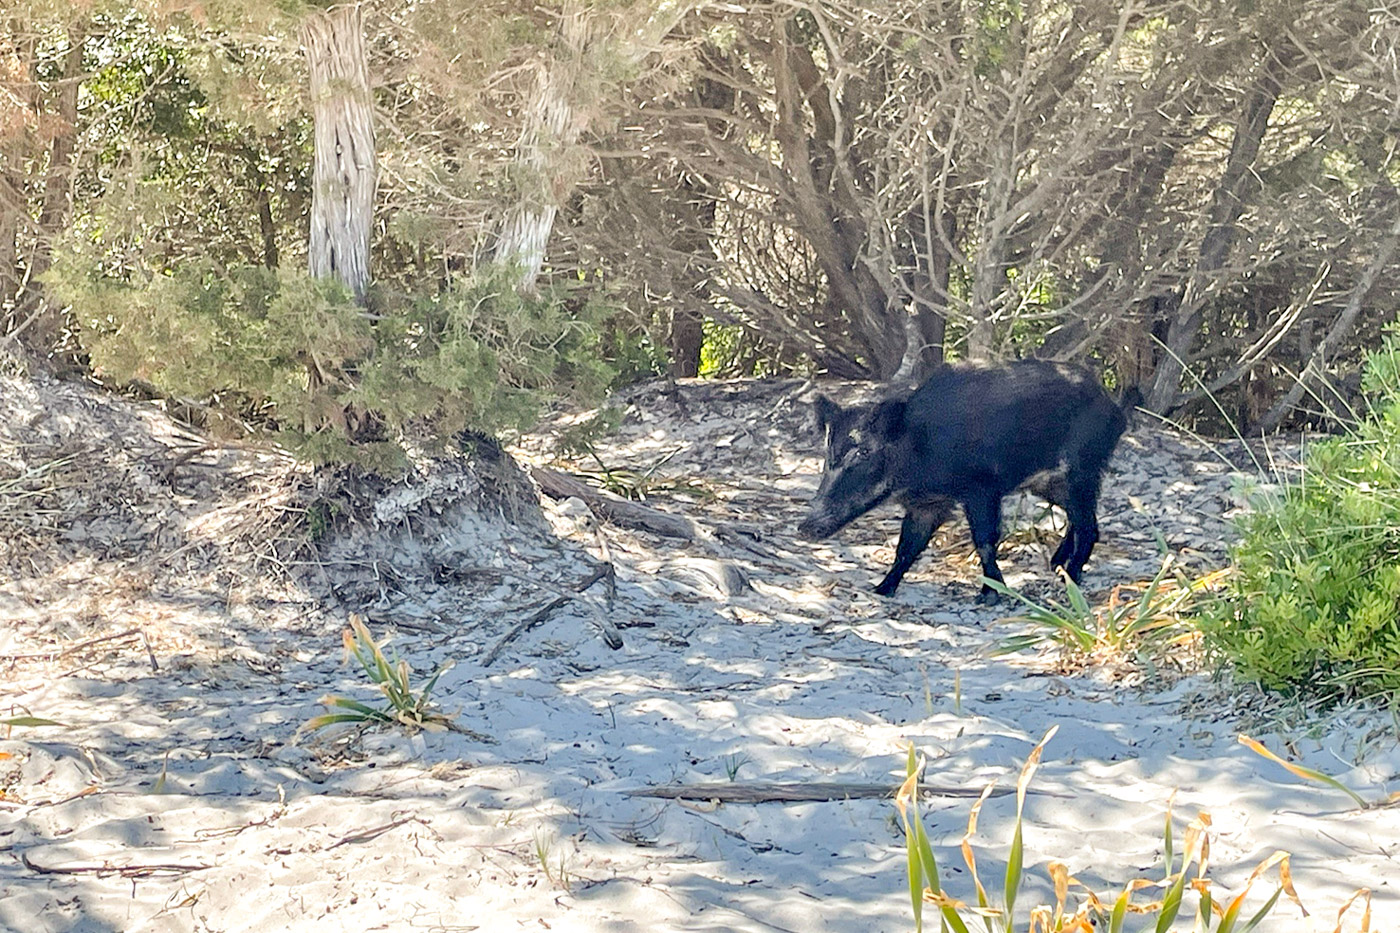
176 799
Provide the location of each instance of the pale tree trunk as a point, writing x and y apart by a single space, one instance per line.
548 163
342 198
545 169
33 313
989 270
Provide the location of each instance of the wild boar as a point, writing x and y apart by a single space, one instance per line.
969 436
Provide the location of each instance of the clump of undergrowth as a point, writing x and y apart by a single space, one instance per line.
334 381
403 705
1143 621
1184 877
1313 601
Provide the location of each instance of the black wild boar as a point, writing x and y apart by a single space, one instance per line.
968 436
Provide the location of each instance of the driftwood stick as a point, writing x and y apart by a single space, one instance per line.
765 792
59 653
135 869
546 610
620 511
374 833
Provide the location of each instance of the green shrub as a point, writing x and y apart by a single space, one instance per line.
1314 598
334 381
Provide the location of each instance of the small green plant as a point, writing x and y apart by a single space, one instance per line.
1143 619
28 722
630 484
732 764
558 873
403 706
1093 914
1308 774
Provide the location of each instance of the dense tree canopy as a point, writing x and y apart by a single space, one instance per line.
1201 197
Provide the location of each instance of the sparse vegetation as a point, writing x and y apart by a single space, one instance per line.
403 706
556 871
1307 774
1224 914
8 723
1143 621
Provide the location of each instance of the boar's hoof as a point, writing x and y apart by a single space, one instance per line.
886 587
988 597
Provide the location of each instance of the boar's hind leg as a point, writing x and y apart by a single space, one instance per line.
920 522
984 519
1081 508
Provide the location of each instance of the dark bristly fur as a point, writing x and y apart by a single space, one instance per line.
969 436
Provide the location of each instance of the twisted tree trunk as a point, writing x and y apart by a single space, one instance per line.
343 179
1237 185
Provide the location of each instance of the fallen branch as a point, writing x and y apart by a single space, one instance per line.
546 610
373 833
620 511
133 870
612 508
763 792
56 654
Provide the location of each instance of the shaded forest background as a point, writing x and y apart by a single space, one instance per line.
1199 198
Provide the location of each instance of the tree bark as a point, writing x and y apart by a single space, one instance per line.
1237 183
45 321
553 124
342 200
1340 329
827 205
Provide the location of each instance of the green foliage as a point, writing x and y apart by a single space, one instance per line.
403 705
733 350
1145 619
1314 599
632 352
342 383
30 722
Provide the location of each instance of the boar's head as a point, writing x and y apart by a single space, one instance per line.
858 474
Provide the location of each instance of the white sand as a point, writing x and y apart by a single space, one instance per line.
806 678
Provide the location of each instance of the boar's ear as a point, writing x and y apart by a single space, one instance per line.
827 410
888 418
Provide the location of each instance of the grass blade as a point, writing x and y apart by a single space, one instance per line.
1302 772
30 721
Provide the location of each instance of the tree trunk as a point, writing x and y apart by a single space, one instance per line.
342 199
1236 184
545 169
17 57
989 269
927 325
45 322
826 205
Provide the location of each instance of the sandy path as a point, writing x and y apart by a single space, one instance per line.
807 677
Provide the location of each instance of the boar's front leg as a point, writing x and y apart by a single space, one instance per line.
920 522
